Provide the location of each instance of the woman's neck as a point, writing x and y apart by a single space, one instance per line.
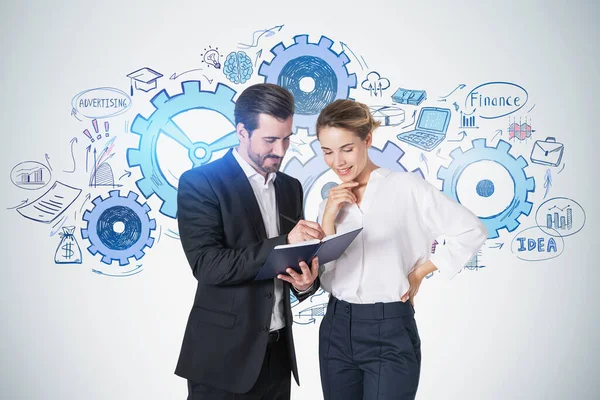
365 174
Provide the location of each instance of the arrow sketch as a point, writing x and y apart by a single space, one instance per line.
89 196
375 89
23 202
73 141
74 113
413 120
87 153
459 87
127 174
48 161
498 132
345 47
463 135
261 33
60 224
175 75
258 54
496 246
563 167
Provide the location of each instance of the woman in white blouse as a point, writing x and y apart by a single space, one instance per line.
369 346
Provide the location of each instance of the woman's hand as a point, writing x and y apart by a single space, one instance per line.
415 278
337 197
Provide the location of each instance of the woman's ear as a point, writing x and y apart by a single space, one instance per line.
369 139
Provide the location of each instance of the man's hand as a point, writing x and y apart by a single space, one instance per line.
304 280
415 278
305 230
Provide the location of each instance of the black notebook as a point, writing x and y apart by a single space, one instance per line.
289 255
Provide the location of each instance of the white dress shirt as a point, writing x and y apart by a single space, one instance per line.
401 215
264 191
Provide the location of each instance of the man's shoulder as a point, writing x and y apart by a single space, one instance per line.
210 171
287 179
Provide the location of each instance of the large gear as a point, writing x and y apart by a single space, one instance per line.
514 166
389 157
317 62
160 122
113 245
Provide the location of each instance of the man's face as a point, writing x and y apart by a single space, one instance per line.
267 145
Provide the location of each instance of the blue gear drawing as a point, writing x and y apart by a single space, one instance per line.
150 129
314 168
514 166
317 61
104 213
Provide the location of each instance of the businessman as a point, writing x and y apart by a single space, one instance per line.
232 212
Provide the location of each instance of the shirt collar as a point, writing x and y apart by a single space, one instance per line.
249 171
382 171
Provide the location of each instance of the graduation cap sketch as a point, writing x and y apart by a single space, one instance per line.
145 79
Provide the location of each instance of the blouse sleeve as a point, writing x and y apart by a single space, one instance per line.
463 231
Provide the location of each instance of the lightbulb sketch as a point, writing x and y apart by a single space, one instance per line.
211 57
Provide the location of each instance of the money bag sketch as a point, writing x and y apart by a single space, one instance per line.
68 251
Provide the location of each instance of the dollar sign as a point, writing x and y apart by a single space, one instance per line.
68 252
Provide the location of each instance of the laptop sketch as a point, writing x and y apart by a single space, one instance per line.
431 128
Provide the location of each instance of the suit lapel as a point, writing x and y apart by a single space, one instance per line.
285 203
241 186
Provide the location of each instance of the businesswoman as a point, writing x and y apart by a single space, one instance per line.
369 346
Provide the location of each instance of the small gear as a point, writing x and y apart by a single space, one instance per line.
313 62
523 184
160 122
113 243
389 157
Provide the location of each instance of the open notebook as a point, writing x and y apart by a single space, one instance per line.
289 255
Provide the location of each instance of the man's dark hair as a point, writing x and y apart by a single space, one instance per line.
263 98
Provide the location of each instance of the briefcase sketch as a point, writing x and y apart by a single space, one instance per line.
547 152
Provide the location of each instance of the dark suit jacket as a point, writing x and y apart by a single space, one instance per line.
225 242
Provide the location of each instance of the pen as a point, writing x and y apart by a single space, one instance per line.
288 218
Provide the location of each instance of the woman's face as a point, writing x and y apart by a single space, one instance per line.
345 153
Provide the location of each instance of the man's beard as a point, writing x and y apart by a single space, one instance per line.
259 161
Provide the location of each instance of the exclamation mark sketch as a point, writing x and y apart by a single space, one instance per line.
95 124
88 134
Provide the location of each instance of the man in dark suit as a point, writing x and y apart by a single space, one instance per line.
232 212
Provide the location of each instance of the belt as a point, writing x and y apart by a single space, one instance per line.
370 311
275 336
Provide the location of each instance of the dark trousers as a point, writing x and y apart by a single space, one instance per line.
369 351
273 382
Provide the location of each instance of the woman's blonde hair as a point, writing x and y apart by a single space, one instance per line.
348 114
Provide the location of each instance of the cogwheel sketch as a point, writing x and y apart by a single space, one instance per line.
154 180
118 228
308 173
314 73
519 205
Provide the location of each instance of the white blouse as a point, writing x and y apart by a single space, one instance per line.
401 215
